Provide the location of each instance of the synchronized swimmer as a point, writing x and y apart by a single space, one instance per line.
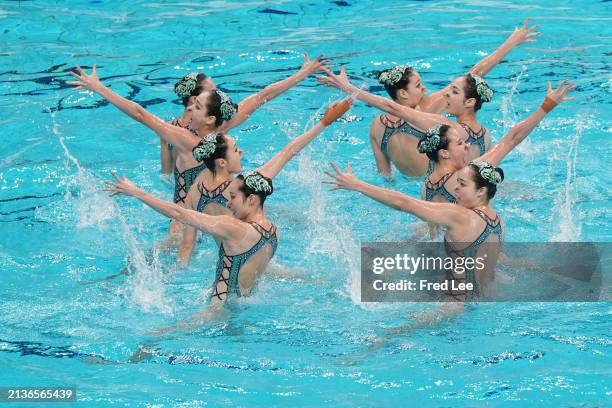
214 195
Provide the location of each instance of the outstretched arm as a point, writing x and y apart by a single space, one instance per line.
221 226
445 214
521 35
521 130
276 164
171 134
254 102
420 120
436 103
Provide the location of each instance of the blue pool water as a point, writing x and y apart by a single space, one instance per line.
303 338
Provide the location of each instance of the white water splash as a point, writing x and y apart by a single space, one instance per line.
145 286
328 233
94 208
570 229
509 116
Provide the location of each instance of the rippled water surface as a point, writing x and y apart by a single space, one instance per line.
304 338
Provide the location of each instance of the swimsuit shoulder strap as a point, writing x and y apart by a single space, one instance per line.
215 191
267 235
469 129
492 222
433 189
440 181
386 122
212 196
476 138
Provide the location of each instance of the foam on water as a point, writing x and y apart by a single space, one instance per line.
509 116
94 208
145 286
328 234
569 227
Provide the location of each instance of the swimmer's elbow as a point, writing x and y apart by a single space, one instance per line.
139 114
181 215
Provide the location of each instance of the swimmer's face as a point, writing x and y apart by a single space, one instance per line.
457 149
206 84
457 104
233 156
238 203
466 192
414 91
199 113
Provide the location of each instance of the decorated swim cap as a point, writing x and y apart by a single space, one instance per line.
206 148
258 182
393 75
430 142
186 85
487 171
228 110
483 89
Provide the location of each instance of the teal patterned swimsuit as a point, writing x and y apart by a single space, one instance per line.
212 196
228 266
184 180
405 128
438 188
476 138
492 226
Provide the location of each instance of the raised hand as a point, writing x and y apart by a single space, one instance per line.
340 180
339 81
122 186
318 64
558 95
524 34
336 110
91 82
553 98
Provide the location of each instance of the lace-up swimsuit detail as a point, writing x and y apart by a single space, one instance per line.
212 196
404 127
492 226
228 266
183 180
438 188
476 138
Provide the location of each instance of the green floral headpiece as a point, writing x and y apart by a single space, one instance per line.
487 171
228 110
430 142
483 89
206 148
186 85
257 182
393 75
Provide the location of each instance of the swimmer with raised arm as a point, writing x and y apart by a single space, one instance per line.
209 111
193 84
443 140
473 221
248 239
462 99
